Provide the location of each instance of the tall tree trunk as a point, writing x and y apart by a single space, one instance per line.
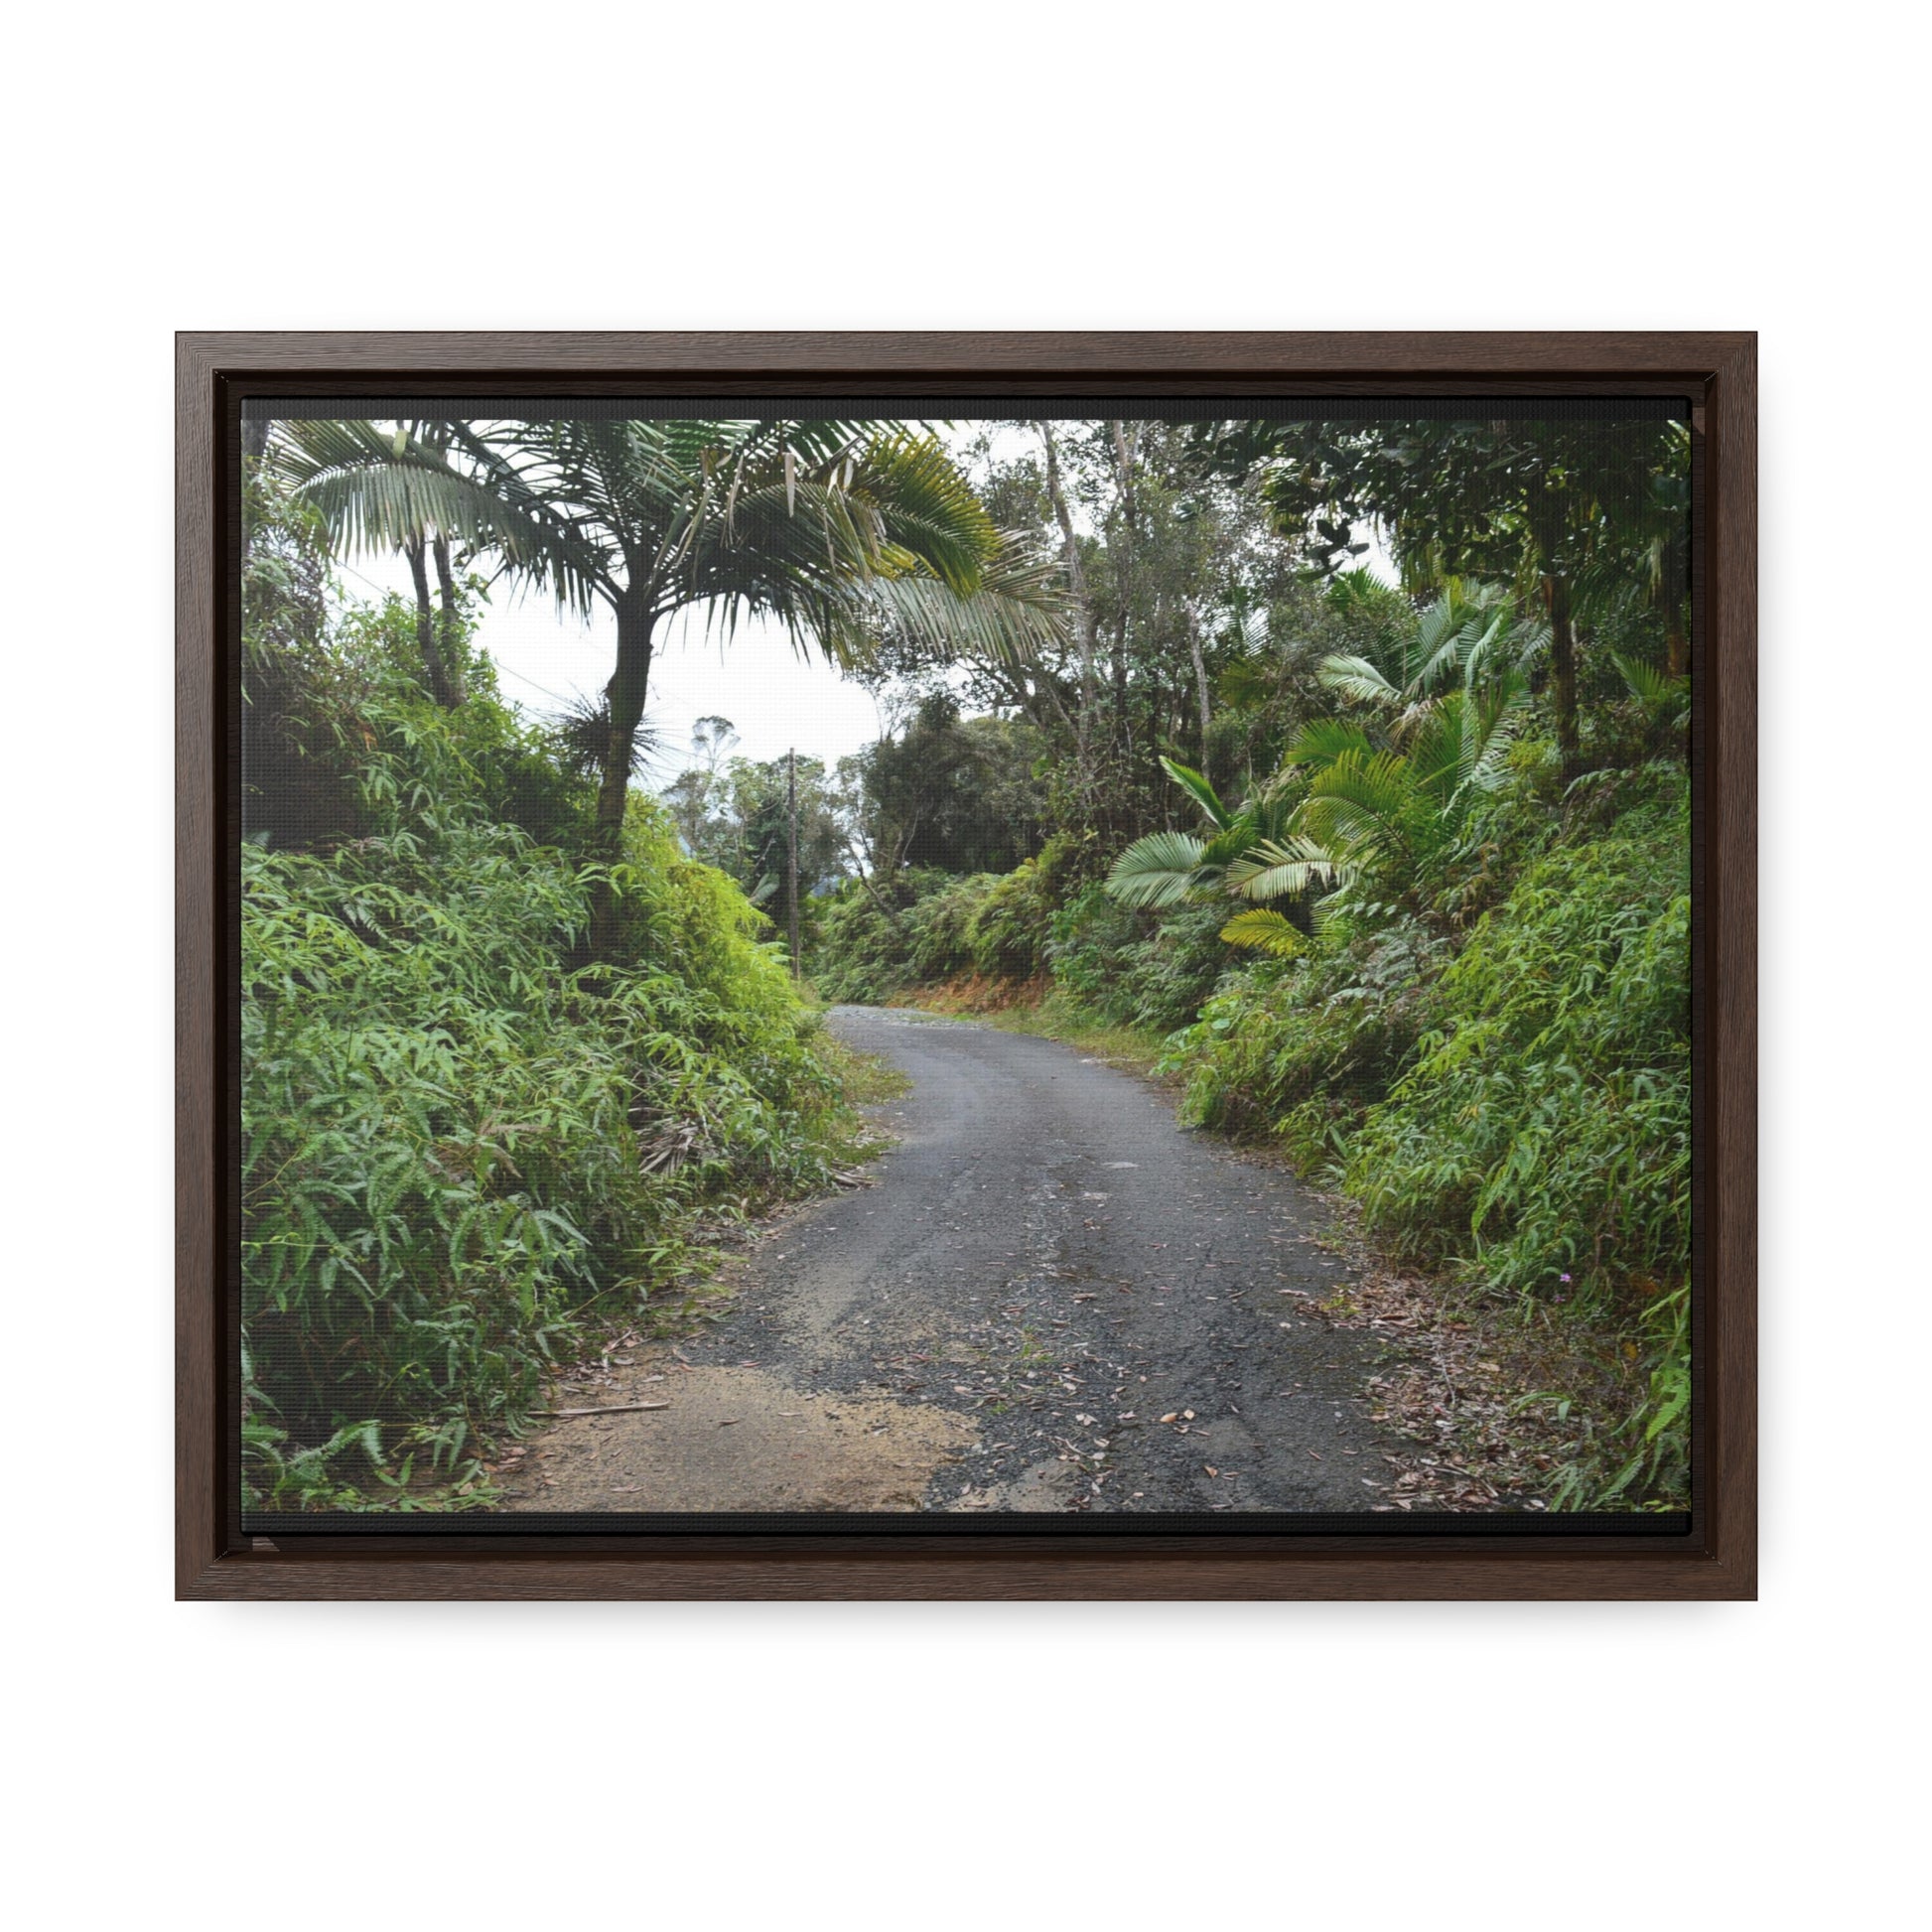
624 703
1671 589
1547 525
448 647
1563 674
792 858
872 891
1200 680
433 672
1123 725
1076 578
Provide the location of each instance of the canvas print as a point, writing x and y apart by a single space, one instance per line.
875 964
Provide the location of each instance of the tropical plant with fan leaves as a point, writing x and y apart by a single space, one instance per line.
1568 509
1378 796
838 530
391 509
1471 635
1372 814
1171 869
1663 696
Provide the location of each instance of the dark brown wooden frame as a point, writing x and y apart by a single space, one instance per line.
1717 372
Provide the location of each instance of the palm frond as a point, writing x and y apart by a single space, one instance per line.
1198 787
1264 930
1018 610
1365 807
1502 710
1438 749
1437 647
1225 847
1158 870
378 489
1325 739
1356 678
1282 869
927 507
1652 688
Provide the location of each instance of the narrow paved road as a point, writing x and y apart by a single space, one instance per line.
1048 1297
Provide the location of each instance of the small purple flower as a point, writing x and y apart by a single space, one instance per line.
1565 1278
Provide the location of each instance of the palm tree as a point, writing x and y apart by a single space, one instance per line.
1167 869
1375 811
1379 797
838 530
1471 635
401 512
1560 507
1445 698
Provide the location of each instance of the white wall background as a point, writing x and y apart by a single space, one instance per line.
1001 165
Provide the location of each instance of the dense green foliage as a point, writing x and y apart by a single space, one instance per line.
1298 1052
988 923
1397 870
1519 1103
1130 970
1543 1128
1429 931
462 1139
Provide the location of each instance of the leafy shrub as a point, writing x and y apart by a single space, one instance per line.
456 1141
1544 1129
1297 1051
861 956
1655 1441
1011 925
1089 934
939 926
1130 970
1150 971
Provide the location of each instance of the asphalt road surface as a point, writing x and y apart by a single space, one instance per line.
1048 1296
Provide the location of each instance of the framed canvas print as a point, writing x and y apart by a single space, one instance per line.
1005 965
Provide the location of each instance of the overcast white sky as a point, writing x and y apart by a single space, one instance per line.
778 697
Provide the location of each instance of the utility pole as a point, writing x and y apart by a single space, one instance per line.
791 867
